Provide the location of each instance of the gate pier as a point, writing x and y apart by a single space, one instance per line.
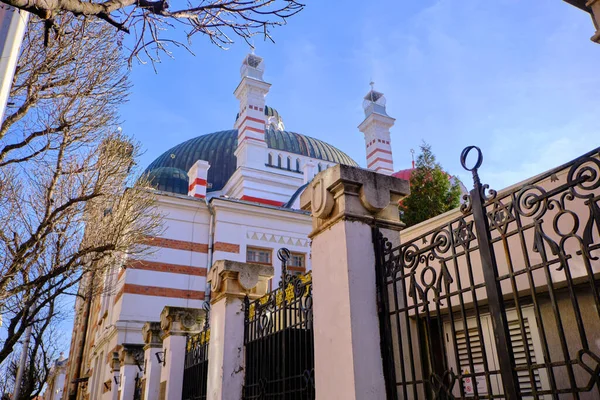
231 282
346 203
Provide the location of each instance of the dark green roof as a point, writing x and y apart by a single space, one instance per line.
169 171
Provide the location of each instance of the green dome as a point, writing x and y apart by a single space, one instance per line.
169 171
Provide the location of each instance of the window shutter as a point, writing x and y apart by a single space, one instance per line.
518 345
463 360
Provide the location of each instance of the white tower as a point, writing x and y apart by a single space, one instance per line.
251 151
376 128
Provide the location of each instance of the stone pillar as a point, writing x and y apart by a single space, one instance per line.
230 282
116 373
345 203
131 360
177 323
153 344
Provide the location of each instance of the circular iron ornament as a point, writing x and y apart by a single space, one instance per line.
465 154
529 201
283 254
587 171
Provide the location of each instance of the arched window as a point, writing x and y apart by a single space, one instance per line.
270 160
320 167
289 163
279 160
298 164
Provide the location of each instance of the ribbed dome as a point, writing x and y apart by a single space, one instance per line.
169 171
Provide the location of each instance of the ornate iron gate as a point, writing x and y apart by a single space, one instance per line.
195 373
279 340
501 301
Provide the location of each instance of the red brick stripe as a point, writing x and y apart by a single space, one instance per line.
262 201
379 159
176 244
165 267
249 128
163 292
379 150
247 118
227 247
198 181
119 294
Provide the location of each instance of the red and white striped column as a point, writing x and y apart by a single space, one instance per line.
251 93
376 128
198 176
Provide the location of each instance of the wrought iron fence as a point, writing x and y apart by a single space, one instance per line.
138 392
501 301
195 373
279 340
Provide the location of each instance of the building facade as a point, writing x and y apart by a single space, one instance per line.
232 195
56 380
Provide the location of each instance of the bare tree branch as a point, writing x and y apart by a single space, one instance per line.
213 18
70 203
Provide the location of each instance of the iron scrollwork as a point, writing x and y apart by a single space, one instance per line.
524 257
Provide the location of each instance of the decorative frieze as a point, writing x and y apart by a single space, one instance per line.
280 239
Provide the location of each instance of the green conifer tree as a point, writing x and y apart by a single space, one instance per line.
431 190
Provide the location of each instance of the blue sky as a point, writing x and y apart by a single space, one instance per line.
514 77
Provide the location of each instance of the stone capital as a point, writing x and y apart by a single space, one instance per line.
132 354
349 193
151 333
238 279
181 321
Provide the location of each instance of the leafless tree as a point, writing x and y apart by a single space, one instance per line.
41 357
65 209
150 20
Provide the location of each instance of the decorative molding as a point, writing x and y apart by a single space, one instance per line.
238 279
151 333
355 194
280 239
181 320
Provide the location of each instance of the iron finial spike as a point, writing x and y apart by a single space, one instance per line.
284 255
463 162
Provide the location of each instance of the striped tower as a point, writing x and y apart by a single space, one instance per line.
376 128
198 175
251 150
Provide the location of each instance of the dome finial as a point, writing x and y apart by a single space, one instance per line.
372 85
